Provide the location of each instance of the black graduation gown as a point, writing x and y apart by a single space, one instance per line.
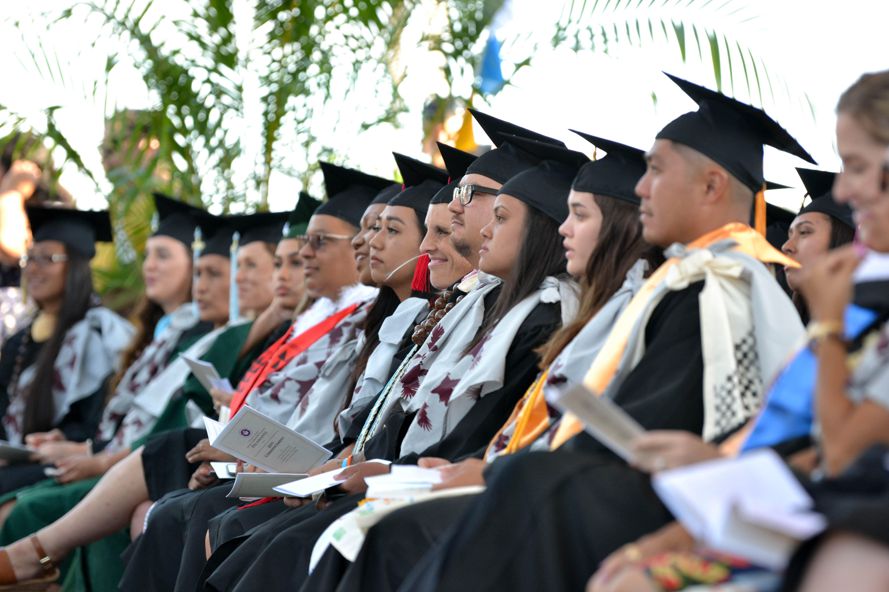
257 564
547 519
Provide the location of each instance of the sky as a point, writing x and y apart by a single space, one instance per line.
813 47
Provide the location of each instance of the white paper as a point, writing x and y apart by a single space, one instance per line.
15 453
224 470
205 372
315 484
402 481
750 506
259 485
602 418
213 428
270 445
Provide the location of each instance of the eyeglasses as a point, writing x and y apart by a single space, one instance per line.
319 241
42 260
464 193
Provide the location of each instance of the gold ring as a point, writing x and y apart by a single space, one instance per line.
632 552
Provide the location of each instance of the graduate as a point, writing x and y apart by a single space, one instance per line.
454 392
606 254
702 179
54 373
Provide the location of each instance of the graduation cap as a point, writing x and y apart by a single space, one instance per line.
499 130
176 219
298 218
545 186
78 230
386 194
730 132
614 175
216 235
506 160
778 221
819 186
349 192
421 182
261 226
456 161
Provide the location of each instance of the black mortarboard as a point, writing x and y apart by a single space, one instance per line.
506 160
615 174
349 192
176 219
216 235
545 186
421 182
456 161
499 130
261 226
778 222
819 186
386 194
78 230
298 218
730 132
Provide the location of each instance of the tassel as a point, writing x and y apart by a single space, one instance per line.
197 247
234 306
420 285
759 211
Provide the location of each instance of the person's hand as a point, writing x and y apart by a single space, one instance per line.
203 452
462 474
22 177
432 462
221 398
202 477
826 284
35 439
352 477
78 468
659 450
278 312
672 537
51 452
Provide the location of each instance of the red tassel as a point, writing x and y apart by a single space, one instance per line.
420 284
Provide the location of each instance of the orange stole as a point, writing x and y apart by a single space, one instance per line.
281 353
605 365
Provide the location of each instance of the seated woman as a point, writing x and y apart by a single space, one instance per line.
54 372
449 398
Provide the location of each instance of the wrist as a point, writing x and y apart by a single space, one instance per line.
828 329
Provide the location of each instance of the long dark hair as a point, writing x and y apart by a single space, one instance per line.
145 319
840 234
540 255
384 305
40 407
618 247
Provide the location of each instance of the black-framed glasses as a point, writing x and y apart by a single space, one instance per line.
464 193
319 241
41 260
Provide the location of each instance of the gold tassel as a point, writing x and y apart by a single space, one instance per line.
759 211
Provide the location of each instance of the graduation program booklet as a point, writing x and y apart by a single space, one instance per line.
602 418
750 506
265 443
15 453
207 375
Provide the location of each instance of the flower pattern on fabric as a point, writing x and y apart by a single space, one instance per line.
89 354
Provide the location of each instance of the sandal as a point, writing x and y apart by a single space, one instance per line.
50 575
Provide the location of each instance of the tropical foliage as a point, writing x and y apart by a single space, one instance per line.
270 68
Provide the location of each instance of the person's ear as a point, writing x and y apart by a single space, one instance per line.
716 184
